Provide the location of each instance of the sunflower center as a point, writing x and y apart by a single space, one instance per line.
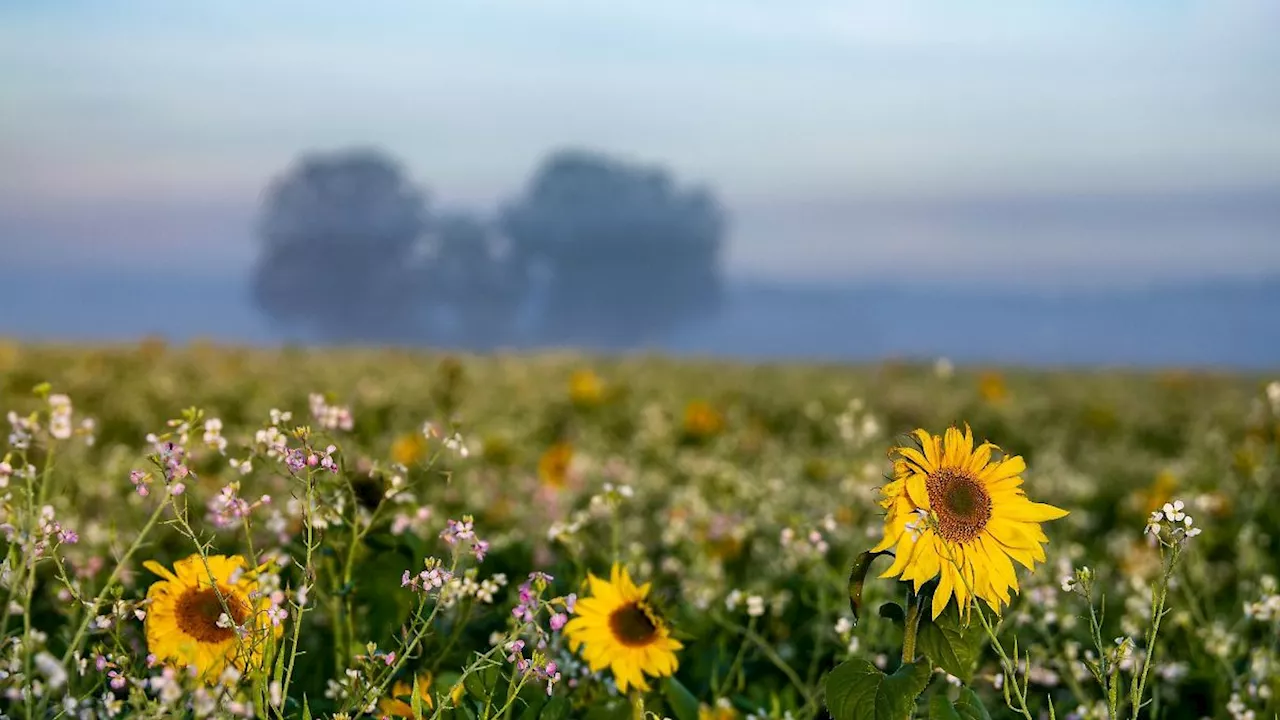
961 503
633 625
198 611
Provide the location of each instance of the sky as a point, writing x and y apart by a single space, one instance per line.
848 139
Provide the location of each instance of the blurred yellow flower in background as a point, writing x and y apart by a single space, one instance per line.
992 388
400 702
701 420
721 711
586 389
408 448
553 466
1158 493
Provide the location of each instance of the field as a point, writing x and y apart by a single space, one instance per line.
423 546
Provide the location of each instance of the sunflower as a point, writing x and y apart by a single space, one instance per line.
701 420
992 388
585 388
958 513
621 630
408 448
183 627
553 466
400 702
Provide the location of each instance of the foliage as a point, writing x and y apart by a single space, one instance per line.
747 535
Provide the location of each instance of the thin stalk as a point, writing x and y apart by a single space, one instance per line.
911 628
308 576
772 656
1010 667
111 580
1159 594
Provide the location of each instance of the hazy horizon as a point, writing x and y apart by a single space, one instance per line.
837 135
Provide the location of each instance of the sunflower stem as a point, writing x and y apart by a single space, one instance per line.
637 705
911 626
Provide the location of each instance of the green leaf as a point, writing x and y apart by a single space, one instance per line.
950 644
893 611
857 690
966 707
858 574
306 709
485 683
557 708
416 699
683 703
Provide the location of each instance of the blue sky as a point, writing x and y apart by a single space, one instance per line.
129 130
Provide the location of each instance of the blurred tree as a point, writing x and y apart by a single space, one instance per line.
341 237
624 255
472 286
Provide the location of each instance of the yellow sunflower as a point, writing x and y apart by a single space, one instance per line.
701 420
184 609
585 388
621 631
992 388
958 512
400 702
408 448
553 466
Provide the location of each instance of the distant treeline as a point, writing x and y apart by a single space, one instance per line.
595 252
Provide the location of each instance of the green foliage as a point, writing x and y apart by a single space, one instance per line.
951 643
965 707
796 458
682 702
857 578
858 690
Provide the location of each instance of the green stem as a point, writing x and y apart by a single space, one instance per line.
1159 594
736 667
912 626
637 705
1010 667
772 655
460 624
111 580
308 581
408 650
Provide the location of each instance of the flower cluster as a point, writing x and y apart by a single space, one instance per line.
330 417
1171 524
228 509
460 532
21 430
430 579
213 438
1267 608
296 459
537 667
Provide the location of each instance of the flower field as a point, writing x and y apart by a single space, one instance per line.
215 532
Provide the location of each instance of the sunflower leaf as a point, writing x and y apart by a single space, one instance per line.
857 575
857 690
682 702
894 612
965 707
306 709
950 643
